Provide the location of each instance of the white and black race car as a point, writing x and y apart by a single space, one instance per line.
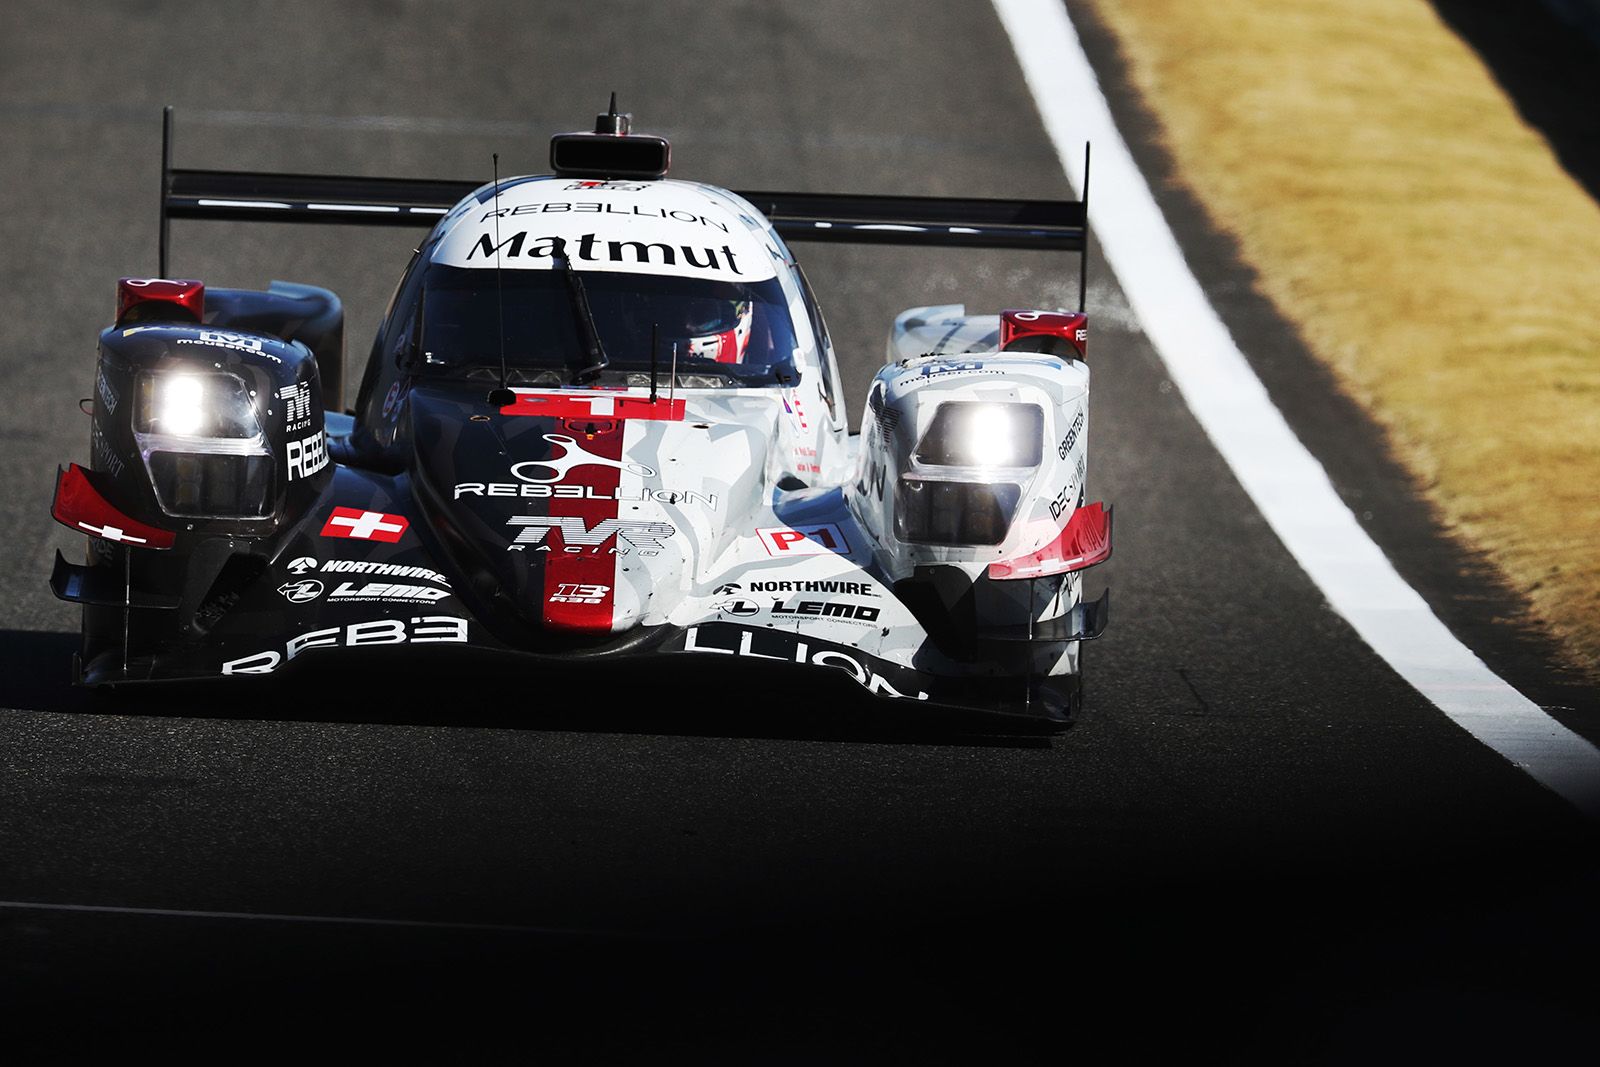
601 421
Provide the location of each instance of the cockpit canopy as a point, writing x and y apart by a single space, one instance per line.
547 271
733 332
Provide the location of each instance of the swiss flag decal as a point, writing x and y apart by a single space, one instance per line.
365 525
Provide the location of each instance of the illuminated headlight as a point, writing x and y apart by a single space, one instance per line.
184 404
968 433
202 445
980 453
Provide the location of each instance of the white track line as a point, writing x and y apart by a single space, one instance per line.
1285 481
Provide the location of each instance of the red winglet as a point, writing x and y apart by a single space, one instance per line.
1044 331
158 299
82 507
1084 541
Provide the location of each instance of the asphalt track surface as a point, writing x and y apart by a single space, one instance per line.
1257 843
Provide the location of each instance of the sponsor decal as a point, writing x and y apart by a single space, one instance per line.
784 647
108 396
814 540
725 588
387 570
572 455
582 249
791 404
365 525
948 370
301 592
425 629
393 592
306 564
594 183
742 608
873 475
817 586
1072 436
306 456
296 406
577 537
1062 501
806 460
391 400
578 593
886 415
595 207
827 609
103 456
232 341
583 492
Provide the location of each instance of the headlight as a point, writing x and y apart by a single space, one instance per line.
967 472
968 433
202 445
186 404
954 513
212 486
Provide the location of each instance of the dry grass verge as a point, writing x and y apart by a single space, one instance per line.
1426 241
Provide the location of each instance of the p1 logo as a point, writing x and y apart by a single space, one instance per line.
817 540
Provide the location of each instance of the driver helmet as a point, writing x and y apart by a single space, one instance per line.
717 329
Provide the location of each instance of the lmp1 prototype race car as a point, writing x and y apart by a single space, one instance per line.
601 422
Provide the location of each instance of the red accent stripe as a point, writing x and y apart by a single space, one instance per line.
82 506
1085 541
594 406
571 574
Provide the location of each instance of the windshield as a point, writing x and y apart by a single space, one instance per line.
728 332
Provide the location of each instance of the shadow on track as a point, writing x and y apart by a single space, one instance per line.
391 688
1289 977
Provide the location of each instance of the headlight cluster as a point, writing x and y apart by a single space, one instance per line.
954 513
202 443
967 473
184 404
967 433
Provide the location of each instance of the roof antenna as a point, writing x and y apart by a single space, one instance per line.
1083 253
611 121
166 187
655 347
503 396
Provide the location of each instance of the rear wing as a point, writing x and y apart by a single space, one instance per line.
835 217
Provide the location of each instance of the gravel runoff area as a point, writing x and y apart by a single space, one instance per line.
1399 207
